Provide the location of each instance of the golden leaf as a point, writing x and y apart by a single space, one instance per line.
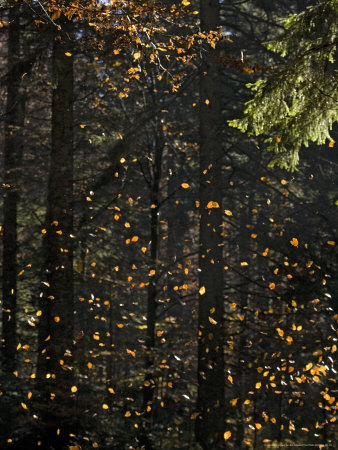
211 205
294 242
56 15
227 435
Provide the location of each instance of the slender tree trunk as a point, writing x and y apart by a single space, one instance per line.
14 122
150 376
55 376
210 402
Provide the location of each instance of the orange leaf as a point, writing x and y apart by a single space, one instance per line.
294 242
227 435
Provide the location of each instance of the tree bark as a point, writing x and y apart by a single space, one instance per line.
55 361
150 380
14 123
210 402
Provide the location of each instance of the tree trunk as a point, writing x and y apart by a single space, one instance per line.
14 122
150 380
210 402
55 376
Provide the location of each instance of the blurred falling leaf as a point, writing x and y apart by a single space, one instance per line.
227 435
294 242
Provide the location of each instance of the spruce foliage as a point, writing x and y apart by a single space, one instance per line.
297 103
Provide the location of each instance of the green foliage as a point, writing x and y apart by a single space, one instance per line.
297 103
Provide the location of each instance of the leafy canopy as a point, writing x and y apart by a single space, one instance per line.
297 103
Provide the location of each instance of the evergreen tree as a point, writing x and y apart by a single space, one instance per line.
297 103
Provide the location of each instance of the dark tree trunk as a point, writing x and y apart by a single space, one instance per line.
14 122
210 403
55 371
150 375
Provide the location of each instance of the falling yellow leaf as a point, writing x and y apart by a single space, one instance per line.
212 205
272 286
73 389
294 242
308 366
185 185
137 55
56 319
331 144
105 406
24 405
202 290
207 102
227 212
258 426
212 321
230 379
258 385
331 243
68 54
127 414
227 435
280 332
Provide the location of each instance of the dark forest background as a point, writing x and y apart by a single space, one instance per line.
162 287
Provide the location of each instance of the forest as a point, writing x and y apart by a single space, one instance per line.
169 224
